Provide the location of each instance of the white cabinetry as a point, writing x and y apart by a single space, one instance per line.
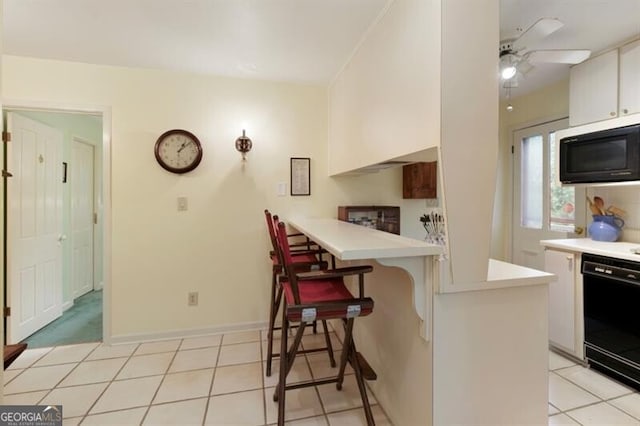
630 78
566 323
593 89
606 86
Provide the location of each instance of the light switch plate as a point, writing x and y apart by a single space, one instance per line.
282 189
182 204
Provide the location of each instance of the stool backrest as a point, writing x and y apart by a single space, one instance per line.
286 258
272 232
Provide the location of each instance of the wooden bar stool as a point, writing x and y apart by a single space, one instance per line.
321 295
306 258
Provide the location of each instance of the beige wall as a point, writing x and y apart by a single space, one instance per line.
386 101
218 247
549 103
2 196
469 149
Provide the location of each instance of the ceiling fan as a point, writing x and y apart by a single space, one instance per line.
517 55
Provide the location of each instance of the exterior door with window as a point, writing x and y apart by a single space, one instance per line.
542 208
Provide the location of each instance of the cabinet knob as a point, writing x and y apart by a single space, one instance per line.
625 111
613 114
579 230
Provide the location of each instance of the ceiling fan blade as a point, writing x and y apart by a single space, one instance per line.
536 32
524 67
558 56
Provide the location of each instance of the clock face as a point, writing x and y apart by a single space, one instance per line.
178 151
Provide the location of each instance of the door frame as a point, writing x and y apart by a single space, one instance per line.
95 189
510 130
105 112
580 218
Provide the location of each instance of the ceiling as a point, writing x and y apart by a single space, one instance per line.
588 24
285 40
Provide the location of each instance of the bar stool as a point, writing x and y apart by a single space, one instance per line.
306 258
320 295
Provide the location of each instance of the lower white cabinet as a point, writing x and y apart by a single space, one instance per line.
566 320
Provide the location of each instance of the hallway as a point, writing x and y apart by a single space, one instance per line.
79 324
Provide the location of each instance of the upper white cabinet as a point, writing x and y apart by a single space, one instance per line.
593 89
630 78
606 86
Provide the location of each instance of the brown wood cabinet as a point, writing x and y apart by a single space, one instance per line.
382 218
419 180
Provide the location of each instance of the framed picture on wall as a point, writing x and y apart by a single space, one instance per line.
300 176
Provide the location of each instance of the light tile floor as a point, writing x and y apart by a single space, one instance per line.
219 380
212 380
582 396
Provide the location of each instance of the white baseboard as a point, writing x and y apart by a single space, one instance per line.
67 305
99 286
180 334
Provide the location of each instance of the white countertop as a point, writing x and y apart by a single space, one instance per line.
347 241
619 250
504 274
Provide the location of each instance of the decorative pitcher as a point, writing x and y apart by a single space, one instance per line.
605 228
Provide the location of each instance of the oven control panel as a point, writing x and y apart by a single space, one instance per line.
611 268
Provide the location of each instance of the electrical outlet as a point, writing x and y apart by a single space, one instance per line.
182 204
193 298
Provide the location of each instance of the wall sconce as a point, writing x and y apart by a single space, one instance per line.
243 144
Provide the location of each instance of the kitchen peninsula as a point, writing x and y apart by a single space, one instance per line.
423 355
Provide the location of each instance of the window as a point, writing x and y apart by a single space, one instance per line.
531 181
562 211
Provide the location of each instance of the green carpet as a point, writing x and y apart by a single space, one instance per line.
79 324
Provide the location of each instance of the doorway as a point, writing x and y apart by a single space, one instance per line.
77 230
542 207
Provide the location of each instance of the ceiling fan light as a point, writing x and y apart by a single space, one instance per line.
507 65
508 72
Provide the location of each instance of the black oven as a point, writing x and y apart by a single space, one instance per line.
606 156
612 316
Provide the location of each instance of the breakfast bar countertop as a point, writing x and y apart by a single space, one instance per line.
347 241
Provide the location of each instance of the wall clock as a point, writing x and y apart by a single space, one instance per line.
178 151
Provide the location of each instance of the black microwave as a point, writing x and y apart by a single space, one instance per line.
605 156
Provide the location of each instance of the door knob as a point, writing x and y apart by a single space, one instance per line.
579 230
61 238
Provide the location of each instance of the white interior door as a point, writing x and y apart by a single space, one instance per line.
542 208
34 231
81 171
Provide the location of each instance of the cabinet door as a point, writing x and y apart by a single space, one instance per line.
593 89
419 180
630 78
562 298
